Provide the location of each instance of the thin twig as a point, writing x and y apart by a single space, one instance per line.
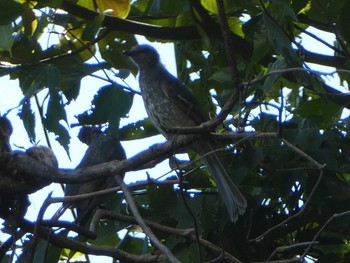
40 217
306 205
288 70
288 248
194 219
185 233
107 214
303 154
226 32
142 224
80 197
313 241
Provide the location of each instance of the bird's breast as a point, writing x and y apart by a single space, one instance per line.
162 109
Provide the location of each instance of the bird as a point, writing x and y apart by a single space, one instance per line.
102 148
170 103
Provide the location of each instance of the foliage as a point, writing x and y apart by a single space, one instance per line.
293 161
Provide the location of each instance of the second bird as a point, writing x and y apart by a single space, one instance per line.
169 104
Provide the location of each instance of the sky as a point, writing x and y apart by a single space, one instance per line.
89 88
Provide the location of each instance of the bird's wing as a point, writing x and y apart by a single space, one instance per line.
182 97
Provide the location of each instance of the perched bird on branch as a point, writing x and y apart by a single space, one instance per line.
15 186
169 104
102 148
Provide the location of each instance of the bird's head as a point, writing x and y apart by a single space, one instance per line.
144 56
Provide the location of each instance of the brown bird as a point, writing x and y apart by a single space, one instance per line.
169 103
102 148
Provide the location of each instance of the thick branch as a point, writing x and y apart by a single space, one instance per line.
22 164
133 27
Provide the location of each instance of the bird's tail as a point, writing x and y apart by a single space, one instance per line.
233 198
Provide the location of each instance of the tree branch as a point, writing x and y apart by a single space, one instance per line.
185 233
62 242
133 27
148 232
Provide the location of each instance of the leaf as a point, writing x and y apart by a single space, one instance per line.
52 78
46 252
323 110
166 9
9 11
28 118
92 28
71 76
161 197
107 234
222 75
118 8
109 105
6 36
211 6
133 244
54 114
112 47
30 22
235 25
25 47
137 130
344 20
280 42
279 64
52 3
261 48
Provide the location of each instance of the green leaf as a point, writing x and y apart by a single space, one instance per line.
46 252
282 12
30 22
280 42
92 28
137 130
71 76
107 234
167 8
322 111
344 20
28 118
161 197
118 8
133 244
52 3
211 6
55 108
277 38
110 104
269 82
112 47
6 36
9 11
261 48
26 48
54 114
53 78
235 25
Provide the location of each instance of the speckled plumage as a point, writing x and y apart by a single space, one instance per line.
170 104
